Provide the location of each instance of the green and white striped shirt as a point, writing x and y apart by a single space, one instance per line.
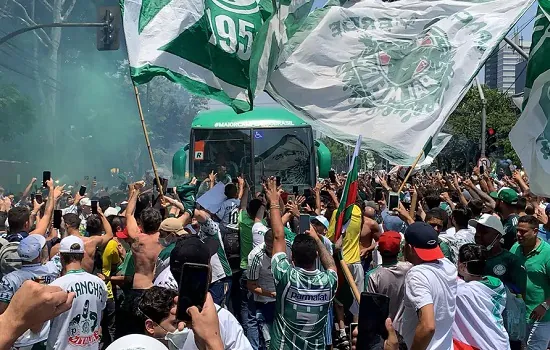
219 263
303 301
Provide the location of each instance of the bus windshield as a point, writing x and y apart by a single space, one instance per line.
284 152
217 148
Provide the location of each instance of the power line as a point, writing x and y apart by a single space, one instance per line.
517 77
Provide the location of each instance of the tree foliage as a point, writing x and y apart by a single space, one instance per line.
462 152
17 112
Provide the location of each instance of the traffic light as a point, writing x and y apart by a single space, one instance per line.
491 140
108 35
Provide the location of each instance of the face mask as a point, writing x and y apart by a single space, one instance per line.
176 339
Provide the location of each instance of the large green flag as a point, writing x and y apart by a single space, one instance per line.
530 137
205 45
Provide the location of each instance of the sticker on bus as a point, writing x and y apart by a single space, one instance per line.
199 150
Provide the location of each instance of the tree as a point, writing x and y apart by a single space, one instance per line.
341 155
17 112
465 125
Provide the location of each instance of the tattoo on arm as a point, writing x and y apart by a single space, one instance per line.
324 255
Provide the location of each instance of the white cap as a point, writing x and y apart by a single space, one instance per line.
86 201
136 342
71 244
30 248
110 211
489 221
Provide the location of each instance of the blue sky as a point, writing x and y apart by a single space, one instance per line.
265 100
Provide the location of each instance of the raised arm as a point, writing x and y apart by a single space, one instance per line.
317 190
44 223
272 193
326 259
131 223
28 188
106 227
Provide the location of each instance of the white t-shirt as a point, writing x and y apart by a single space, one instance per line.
229 213
230 330
78 328
431 283
258 233
259 269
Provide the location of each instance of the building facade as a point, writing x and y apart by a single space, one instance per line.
500 68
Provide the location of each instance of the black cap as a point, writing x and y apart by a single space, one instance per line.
188 249
424 239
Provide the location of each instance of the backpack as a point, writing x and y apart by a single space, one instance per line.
9 257
514 316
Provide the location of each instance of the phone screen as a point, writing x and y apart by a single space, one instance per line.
38 198
291 198
295 190
373 312
278 180
481 169
378 194
82 190
307 193
94 207
193 286
394 201
46 175
57 218
304 222
332 176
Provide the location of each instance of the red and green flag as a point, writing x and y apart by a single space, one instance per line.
349 195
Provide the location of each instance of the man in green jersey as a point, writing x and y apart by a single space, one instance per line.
506 206
303 293
535 253
500 263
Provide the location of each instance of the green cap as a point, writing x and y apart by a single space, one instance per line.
506 194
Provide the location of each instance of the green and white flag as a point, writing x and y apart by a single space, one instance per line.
530 137
204 45
390 71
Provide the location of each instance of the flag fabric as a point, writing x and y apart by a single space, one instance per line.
390 71
206 45
349 194
530 137
440 141
478 320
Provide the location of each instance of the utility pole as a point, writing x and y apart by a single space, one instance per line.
516 48
483 116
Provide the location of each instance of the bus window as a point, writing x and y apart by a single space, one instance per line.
284 152
226 152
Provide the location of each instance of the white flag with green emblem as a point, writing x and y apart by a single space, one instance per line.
530 137
204 45
390 71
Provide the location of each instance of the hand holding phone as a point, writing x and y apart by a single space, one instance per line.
38 198
46 175
393 202
94 207
82 190
193 288
305 221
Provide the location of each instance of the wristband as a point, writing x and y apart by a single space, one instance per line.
545 305
276 206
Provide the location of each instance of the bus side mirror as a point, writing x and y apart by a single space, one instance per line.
324 158
179 164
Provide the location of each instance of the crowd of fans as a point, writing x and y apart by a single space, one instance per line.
463 258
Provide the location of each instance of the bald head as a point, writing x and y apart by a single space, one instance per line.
369 212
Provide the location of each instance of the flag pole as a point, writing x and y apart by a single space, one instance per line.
144 127
350 279
410 170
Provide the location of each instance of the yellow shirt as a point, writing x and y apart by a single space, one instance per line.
110 261
350 245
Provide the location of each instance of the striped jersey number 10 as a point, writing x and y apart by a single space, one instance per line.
224 33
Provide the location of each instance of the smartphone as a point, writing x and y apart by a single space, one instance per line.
46 175
57 218
352 327
307 192
332 176
278 180
32 198
481 169
304 222
373 312
295 190
82 190
393 202
170 190
193 286
291 198
38 198
163 183
94 207
378 194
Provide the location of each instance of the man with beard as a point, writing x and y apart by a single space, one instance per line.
506 206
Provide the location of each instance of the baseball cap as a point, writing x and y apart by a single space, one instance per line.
423 238
71 244
110 211
136 342
172 225
489 221
122 234
189 249
323 220
86 202
506 194
389 242
30 247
